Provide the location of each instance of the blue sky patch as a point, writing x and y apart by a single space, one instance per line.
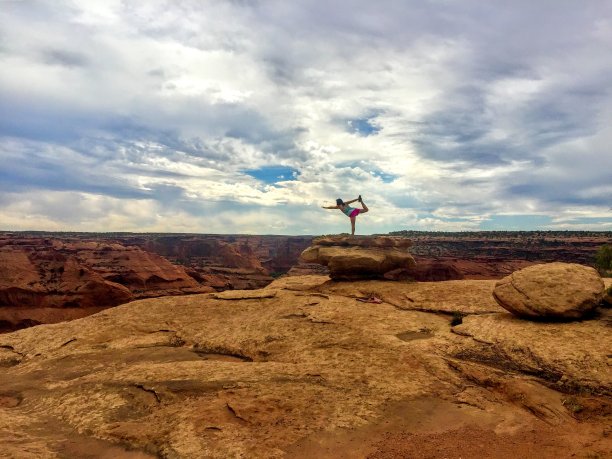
363 126
387 178
273 174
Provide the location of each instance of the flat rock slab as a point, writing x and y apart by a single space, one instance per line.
363 241
450 297
551 291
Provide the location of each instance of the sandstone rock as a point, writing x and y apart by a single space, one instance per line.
244 294
427 270
571 356
350 257
551 291
43 279
38 275
304 373
363 241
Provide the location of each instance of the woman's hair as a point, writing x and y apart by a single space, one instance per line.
339 202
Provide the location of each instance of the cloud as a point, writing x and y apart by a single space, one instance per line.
445 115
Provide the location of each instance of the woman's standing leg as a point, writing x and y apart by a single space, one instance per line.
353 225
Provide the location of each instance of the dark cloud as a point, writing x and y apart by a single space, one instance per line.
64 57
32 172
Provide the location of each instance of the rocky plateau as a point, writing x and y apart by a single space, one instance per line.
302 369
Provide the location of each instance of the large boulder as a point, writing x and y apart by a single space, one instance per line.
551 291
359 257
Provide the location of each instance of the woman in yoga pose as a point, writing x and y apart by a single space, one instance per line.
349 211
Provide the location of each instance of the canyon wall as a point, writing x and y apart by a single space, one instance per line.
51 277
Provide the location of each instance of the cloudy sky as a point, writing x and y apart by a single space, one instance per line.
247 116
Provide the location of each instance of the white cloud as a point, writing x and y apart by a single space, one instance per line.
153 111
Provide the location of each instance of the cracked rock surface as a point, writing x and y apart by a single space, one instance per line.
302 369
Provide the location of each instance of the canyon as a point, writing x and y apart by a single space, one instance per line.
53 277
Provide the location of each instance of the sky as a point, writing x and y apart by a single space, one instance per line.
248 116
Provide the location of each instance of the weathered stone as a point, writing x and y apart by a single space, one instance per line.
359 257
300 374
569 356
243 294
551 291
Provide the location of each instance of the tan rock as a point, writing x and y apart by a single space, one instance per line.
363 241
571 356
551 291
309 372
79 278
359 257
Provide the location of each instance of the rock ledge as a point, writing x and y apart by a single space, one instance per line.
360 257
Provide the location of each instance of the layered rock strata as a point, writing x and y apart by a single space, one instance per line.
47 280
359 257
551 291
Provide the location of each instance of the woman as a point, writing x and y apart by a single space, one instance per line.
349 211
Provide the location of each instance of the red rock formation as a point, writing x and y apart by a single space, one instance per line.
40 278
226 261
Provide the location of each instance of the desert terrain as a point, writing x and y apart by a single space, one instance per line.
301 368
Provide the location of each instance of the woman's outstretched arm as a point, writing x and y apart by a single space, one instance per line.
330 207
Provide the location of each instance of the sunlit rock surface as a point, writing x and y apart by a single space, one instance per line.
551 291
303 369
360 257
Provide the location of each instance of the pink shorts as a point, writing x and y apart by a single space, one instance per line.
354 213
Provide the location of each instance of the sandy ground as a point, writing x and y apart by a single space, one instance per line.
430 428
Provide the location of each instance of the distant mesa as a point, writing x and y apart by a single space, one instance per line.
360 257
562 291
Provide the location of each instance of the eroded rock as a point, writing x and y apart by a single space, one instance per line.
551 291
198 376
571 356
359 257
48 280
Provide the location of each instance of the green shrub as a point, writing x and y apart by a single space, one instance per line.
603 259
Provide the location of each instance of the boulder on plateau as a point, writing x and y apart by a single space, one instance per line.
550 291
358 257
